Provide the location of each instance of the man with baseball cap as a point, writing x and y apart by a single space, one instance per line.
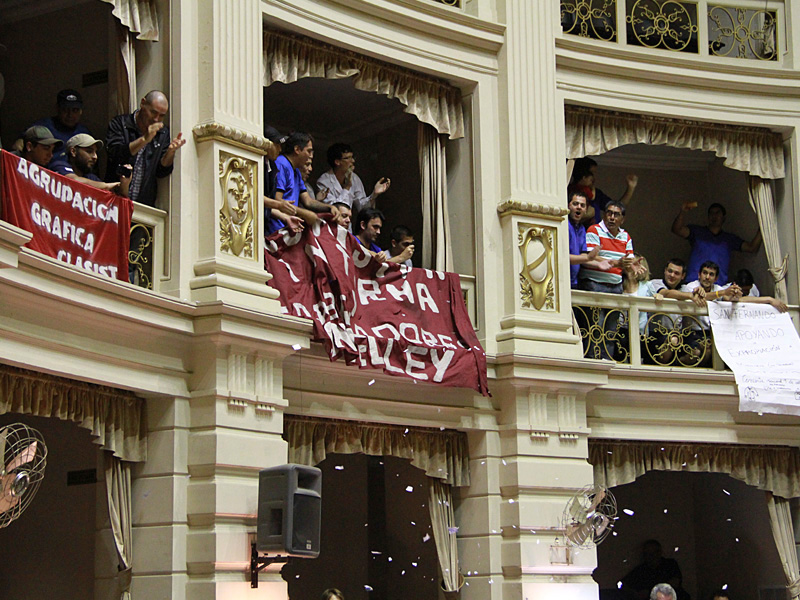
38 145
66 123
81 151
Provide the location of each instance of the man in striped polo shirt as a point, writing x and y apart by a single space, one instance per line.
615 246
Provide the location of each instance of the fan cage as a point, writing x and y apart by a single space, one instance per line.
584 499
15 440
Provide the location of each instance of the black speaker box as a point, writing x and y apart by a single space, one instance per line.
289 510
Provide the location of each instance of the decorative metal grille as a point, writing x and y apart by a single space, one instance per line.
140 256
594 19
662 24
668 340
742 33
456 3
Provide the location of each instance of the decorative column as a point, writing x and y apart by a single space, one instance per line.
537 312
236 427
544 445
229 263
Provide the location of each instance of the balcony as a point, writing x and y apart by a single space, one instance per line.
719 31
672 334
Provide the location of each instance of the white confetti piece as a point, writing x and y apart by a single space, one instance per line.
725 587
628 511
371 382
339 467
726 491
452 530
413 564
368 588
619 585
297 347
410 488
426 538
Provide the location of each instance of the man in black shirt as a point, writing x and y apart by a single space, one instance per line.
142 140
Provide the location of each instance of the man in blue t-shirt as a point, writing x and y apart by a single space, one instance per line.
711 243
296 152
578 254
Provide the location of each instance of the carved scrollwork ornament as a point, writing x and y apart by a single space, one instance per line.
237 213
537 278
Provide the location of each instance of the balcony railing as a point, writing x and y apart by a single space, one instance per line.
147 248
741 29
669 333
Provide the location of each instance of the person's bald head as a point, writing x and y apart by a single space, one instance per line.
152 109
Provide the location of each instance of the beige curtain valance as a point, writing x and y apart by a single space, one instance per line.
441 454
139 16
754 150
775 470
288 58
116 418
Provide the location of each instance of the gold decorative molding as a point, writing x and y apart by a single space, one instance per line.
205 132
527 209
237 176
537 246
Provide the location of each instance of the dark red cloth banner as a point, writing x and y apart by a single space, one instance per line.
70 221
408 322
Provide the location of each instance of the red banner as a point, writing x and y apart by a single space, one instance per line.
408 322
70 221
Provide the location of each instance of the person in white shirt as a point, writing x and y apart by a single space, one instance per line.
342 185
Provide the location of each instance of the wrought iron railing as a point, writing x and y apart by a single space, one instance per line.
146 250
456 3
668 333
744 30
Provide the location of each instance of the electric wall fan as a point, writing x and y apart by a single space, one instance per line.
589 516
24 457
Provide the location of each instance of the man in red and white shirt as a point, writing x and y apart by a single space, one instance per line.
615 246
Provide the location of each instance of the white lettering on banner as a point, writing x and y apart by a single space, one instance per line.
313 250
388 326
415 364
368 290
426 298
289 268
107 270
441 365
403 291
361 257
52 185
64 230
404 327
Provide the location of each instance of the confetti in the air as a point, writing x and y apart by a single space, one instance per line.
296 347
426 538
371 381
726 491
628 511
339 467
410 488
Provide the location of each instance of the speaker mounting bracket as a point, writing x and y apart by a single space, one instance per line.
259 563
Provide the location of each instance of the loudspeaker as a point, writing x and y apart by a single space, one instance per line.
289 510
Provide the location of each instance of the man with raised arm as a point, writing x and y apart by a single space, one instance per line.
342 184
142 139
711 242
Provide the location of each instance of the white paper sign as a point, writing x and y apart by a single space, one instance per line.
762 347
